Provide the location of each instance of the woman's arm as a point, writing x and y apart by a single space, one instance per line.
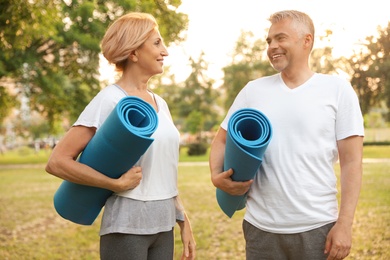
189 245
63 164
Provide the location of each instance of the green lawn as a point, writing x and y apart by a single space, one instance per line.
376 151
31 229
29 156
26 155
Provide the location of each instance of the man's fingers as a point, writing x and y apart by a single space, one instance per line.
228 173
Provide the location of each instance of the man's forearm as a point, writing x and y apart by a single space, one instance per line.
351 179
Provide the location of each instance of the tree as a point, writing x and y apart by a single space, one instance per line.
198 94
195 94
371 66
322 59
22 25
7 102
248 62
166 86
52 47
193 103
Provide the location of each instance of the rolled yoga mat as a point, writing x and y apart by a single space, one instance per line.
248 135
121 140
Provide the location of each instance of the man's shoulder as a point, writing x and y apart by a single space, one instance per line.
331 77
265 80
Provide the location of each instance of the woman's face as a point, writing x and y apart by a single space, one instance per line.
151 54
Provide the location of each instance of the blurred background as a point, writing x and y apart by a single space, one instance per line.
51 65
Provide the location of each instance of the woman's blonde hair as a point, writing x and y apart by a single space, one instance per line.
125 35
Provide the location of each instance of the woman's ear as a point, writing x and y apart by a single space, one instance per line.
133 56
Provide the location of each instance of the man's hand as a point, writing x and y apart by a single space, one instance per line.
224 182
339 241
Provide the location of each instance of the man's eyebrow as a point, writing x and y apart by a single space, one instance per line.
280 34
275 36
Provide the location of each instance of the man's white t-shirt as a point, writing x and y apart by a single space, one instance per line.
295 188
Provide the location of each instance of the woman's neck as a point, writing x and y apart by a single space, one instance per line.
132 83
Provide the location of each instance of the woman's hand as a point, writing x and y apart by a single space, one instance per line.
129 180
187 238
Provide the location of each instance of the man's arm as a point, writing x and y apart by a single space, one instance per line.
221 179
339 239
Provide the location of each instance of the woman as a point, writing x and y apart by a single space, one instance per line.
139 217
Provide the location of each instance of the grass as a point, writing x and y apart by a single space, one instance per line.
31 229
26 155
376 151
372 219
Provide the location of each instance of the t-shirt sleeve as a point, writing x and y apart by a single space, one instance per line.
349 119
238 103
97 111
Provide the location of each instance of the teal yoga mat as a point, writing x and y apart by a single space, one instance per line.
121 140
248 135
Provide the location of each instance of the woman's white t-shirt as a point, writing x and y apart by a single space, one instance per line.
133 211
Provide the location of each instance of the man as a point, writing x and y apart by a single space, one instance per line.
292 210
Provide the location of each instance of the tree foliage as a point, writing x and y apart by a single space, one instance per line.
194 102
51 47
249 62
7 102
322 59
371 77
197 97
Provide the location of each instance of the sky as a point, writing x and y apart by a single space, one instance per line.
215 25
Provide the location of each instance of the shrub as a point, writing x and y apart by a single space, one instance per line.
198 148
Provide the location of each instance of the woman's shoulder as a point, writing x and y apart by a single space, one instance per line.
112 90
109 94
160 101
